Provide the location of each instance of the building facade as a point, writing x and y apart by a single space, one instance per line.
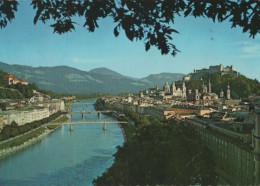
23 117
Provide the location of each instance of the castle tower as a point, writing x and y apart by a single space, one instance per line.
209 87
228 91
256 136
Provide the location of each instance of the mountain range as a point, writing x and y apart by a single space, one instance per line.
65 79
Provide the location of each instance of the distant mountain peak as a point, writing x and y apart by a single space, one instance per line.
66 79
104 70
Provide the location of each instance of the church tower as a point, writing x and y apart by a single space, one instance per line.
221 95
228 91
183 89
173 87
166 87
209 87
203 88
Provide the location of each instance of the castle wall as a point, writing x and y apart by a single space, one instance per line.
214 69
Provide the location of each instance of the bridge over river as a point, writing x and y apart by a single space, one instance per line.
64 157
84 121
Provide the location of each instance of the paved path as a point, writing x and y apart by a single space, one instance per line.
43 125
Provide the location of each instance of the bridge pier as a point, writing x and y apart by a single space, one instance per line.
104 127
71 127
83 115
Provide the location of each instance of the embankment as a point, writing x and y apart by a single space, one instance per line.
10 150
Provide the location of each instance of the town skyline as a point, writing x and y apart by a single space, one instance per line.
202 43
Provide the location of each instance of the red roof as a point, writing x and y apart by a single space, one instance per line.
15 79
9 76
22 81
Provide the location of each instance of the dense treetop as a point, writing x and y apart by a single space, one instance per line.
158 157
240 86
149 21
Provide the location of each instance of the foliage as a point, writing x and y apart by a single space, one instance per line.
20 140
129 129
2 74
10 94
17 91
99 105
3 106
150 21
138 119
241 85
25 90
156 155
14 130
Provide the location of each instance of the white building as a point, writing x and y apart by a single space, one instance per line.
23 117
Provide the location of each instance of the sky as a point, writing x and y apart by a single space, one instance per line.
202 43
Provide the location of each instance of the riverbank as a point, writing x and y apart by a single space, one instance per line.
10 150
127 129
24 141
11 146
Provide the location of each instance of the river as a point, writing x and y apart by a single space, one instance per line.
64 157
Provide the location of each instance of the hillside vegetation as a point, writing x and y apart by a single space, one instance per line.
240 86
68 80
155 156
17 91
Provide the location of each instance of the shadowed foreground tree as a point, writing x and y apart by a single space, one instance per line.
169 154
151 21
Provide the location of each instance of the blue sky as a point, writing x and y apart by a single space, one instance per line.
202 43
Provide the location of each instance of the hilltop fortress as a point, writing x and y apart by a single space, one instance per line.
198 74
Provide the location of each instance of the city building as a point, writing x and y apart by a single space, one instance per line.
54 105
11 80
203 96
23 117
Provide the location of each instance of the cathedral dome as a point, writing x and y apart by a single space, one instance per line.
166 87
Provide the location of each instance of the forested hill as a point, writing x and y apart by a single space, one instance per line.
64 79
240 86
2 74
17 91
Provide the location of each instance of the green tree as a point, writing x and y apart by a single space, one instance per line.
150 21
156 156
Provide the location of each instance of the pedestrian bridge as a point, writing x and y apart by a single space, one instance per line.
89 122
83 103
104 122
89 112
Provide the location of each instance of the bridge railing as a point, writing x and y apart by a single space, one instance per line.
90 122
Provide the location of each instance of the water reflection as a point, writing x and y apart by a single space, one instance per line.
64 157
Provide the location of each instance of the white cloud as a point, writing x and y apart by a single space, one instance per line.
250 51
83 60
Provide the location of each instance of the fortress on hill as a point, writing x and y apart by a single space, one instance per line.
198 74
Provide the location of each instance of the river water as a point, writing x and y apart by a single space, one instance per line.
64 157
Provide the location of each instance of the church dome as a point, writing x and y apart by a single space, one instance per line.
166 87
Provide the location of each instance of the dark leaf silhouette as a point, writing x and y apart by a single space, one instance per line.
151 21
